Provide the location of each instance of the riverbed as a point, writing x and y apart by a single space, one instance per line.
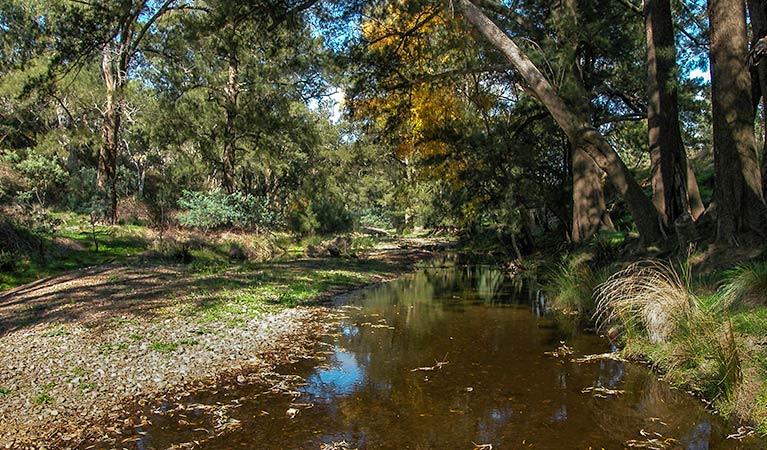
451 357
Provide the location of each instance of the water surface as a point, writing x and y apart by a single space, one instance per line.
493 382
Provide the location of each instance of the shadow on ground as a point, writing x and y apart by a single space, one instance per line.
98 296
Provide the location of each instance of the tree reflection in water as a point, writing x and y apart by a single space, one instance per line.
498 386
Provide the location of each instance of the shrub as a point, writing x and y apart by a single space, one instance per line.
301 219
217 209
332 217
9 261
42 175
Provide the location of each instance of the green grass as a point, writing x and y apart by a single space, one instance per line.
85 387
751 322
59 330
115 244
265 287
43 399
745 286
109 348
570 285
4 392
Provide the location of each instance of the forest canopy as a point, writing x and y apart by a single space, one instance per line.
564 119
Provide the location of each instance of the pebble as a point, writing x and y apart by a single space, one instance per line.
135 370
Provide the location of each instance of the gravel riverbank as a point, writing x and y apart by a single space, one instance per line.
76 350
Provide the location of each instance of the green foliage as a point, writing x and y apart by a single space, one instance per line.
332 217
301 219
216 209
571 286
165 347
42 175
9 260
43 399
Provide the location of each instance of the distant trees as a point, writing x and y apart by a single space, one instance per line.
458 113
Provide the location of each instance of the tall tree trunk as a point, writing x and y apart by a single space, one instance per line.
232 92
740 204
758 15
588 202
589 211
110 129
670 176
579 130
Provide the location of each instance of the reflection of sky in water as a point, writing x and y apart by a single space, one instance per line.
350 331
610 373
341 378
560 415
699 437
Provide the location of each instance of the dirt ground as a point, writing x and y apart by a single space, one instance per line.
77 349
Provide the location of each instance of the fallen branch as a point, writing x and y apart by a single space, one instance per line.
602 392
599 357
437 366
561 351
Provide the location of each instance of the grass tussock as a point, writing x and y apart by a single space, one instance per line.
653 305
746 287
647 296
571 285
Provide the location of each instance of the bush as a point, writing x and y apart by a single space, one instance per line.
9 261
217 209
301 219
332 217
43 175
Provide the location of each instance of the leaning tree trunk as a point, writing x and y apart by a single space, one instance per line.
670 175
740 205
579 130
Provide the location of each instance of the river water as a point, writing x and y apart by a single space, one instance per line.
451 357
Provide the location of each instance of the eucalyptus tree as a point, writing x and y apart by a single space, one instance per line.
740 205
579 129
675 188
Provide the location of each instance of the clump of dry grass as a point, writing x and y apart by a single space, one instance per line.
654 305
649 296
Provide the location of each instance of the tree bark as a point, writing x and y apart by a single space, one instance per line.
589 213
579 130
589 210
673 185
232 92
741 209
112 73
758 15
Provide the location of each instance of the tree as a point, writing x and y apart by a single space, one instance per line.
675 189
115 31
758 15
589 213
235 92
579 130
740 205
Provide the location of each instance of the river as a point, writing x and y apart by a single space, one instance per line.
450 357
